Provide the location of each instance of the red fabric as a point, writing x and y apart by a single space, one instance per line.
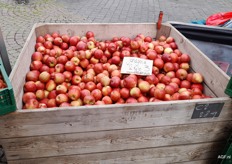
218 18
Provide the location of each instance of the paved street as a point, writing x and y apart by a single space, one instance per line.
17 19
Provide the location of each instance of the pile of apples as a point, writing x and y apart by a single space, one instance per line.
81 70
2 82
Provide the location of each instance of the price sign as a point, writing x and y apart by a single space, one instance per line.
207 110
138 66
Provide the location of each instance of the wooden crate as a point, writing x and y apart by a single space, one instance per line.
158 132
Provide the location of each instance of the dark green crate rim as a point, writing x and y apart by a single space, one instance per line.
226 153
10 107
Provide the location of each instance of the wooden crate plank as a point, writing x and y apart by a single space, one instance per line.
116 140
103 31
107 117
161 155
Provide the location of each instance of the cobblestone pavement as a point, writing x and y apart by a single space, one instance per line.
17 19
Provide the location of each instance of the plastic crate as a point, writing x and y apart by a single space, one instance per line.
226 156
7 100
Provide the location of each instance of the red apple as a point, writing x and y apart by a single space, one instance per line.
105 81
107 100
61 89
84 63
168 50
32 104
37 56
185 95
115 95
131 100
50 85
170 39
198 85
87 77
44 77
159 63
181 74
185 66
69 66
159 93
134 45
143 47
129 82
78 102
40 39
59 68
61 98
68 76
115 82
165 80
168 66
135 92
106 90
32 75
98 54
97 94
184 58
51 103
76 79
89 34
40 94
197 78
142 99
39 85
28 95
81 45
59 78
36 65
169 89
90 86
112 47
73 40
57 41
89 100
62 59
159 49
74 94
151 79
144 86
29 86
152 55
185 84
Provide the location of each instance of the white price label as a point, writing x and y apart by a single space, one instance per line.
138 66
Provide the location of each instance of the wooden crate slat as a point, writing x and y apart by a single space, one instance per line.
106 118
162 155
115 140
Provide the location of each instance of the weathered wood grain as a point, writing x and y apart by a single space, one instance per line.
104 118
115 140
161 155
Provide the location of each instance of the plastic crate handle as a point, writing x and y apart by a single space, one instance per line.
228 90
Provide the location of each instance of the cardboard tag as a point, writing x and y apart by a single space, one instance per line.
138 66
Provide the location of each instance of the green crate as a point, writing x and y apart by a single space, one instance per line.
7 99
226 156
